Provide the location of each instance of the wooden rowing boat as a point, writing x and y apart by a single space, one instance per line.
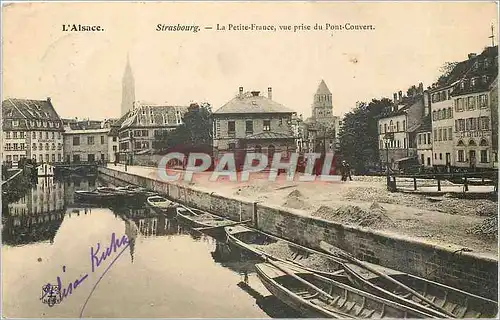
315 296
261 244
460 303
199 218
94 196
162 205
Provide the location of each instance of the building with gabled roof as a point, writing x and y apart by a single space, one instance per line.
144 124
398 127
251 122
31 129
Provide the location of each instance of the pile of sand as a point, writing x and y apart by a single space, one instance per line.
374 217
488 228
295 200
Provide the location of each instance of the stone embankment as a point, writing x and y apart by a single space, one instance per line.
451 265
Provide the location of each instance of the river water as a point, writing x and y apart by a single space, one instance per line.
167 270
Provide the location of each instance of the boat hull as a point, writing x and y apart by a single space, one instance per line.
460 303
289 298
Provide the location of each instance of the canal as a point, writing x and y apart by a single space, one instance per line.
161 269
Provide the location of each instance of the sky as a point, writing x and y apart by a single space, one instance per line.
82 71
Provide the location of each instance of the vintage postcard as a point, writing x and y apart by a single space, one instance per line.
249 159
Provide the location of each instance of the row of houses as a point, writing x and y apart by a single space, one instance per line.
248 122
451 124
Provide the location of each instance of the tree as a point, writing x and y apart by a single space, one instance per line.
359 134
195 133
446 70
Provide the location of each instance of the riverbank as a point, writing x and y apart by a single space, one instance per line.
444 221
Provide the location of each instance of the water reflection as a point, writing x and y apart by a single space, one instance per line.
38 215
161 249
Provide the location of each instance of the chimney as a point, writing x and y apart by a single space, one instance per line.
48 99
255 93
471 55
427 103
400 95
241 90
395 98
270 93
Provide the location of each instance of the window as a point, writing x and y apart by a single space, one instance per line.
450 113
435 135
419 139
461 156
434 115
429 138
267 125
14 134
40 135
231 127
90 140
40 146
21 146
34 135
440 156
53 157
15 145
445 134
249 126
53 146
397 126
484 123
440 134
485 79
473 82
76 141
9 158
391 126
258 149
47 147
15 158
114 139
385 127
53 134
232 146
435 156
59 146
471 102
114 149
33 146
47 157
40 158
450 133
102 139
404 143
461 124
483 101
15 123
21 134
46 134
484 156
58 157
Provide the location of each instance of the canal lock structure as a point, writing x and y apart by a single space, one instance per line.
167 269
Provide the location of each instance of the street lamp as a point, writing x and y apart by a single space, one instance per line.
389 136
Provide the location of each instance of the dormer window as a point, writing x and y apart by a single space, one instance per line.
485 79
462 85
486 64
473 82
15 123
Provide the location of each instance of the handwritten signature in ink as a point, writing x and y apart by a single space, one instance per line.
55 294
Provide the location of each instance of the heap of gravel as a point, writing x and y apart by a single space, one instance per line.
375 217
294 200
488 228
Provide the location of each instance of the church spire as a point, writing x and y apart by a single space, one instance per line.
322 107
128 88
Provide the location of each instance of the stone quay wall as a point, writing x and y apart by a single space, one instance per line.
472 272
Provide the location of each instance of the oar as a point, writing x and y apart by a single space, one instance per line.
222 226
307 283
337 251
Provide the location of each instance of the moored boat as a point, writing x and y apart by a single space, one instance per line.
261 244
460 304
198 218
162 205
315 296
94 196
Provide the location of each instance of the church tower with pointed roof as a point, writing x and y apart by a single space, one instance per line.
322 107
128 89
